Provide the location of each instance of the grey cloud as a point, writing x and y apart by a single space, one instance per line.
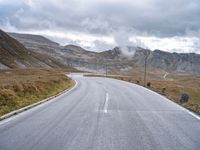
119 19
154 17
102 46
95 25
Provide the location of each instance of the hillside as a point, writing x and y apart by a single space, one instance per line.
180 62
37 43
22 87
14 55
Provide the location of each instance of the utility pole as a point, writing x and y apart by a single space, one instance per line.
106 70
96 66
145 71
145 68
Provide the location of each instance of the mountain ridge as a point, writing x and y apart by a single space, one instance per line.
114 58
14 54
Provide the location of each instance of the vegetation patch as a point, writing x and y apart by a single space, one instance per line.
22 87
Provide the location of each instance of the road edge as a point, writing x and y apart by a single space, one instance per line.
18 111
192 113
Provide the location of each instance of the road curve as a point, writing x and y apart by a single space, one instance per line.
103 114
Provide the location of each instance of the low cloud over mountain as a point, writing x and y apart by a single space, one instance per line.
117 58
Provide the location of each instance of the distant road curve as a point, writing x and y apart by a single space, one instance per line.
165 75
103 114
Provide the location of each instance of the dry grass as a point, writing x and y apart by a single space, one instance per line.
22 87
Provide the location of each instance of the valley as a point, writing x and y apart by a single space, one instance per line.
175 72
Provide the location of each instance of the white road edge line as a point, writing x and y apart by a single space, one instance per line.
184 109
171 101
181 107
106 103
192 114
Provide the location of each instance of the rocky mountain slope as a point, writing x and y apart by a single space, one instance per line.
14 55
117 58
180 62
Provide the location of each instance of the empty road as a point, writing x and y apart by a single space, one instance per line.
103 114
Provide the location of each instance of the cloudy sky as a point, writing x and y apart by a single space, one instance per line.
171 25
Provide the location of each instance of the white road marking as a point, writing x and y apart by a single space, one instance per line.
165 75
192 114
106 103
182 108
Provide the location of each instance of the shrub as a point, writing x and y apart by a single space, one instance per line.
149 84
30 89
184 97
17 87
7 97
7 94
163 90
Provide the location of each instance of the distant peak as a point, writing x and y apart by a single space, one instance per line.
33 37
74 47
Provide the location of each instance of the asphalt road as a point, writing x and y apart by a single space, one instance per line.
103 114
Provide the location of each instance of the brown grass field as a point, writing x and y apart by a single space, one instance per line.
22 87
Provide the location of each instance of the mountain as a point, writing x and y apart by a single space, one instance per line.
67 55
118 58
14 55
37 43
180 62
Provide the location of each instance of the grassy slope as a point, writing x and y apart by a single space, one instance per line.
22 87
